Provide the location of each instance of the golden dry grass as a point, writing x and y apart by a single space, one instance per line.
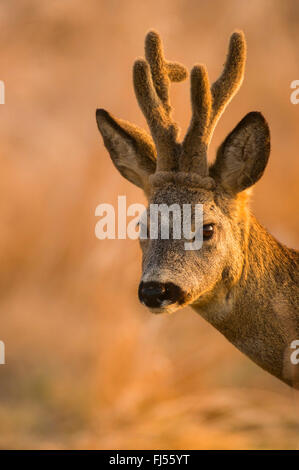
87 366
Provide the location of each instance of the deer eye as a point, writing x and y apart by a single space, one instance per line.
145 230
207 231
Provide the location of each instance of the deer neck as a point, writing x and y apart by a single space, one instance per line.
259 312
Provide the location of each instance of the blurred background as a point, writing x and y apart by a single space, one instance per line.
87 366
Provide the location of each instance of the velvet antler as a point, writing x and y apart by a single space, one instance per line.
208 104
152 78
129 145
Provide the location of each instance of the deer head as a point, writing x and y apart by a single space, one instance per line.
177 172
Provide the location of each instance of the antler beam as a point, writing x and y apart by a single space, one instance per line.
208 104
152 78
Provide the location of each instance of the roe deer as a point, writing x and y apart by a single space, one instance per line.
242 280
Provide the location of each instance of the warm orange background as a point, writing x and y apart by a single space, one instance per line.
87 366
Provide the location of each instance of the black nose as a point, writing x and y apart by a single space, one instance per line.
157 294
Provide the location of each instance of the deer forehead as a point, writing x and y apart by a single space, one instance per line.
181 195
173 194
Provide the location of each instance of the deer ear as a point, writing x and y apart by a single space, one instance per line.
243 156
131 149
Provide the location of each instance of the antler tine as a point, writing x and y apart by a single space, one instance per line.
151 82
208 105
195 143
231 78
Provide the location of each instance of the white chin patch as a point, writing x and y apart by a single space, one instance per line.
165 303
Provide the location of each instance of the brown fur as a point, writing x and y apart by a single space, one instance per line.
242 280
